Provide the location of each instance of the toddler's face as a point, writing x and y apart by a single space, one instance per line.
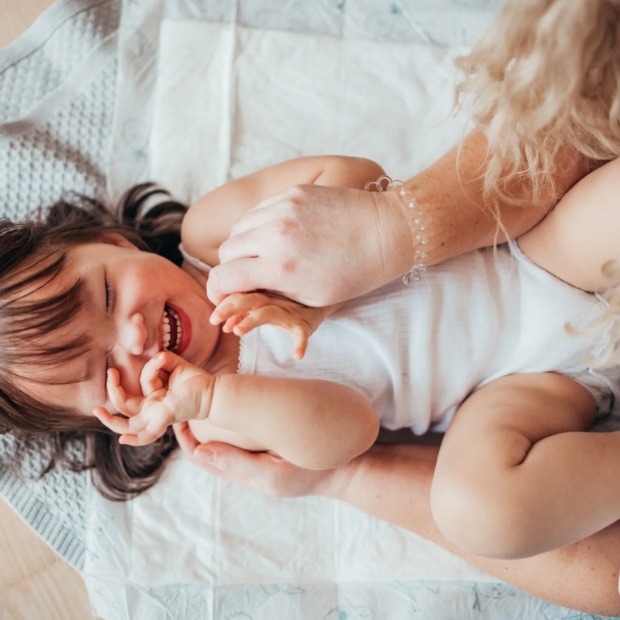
136 303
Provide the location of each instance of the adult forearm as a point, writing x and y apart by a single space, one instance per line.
450 193
321 245
393 483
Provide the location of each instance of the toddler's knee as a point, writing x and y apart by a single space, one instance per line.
480 520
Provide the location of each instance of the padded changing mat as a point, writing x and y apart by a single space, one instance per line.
197 547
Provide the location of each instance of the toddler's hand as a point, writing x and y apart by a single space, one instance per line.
242 312
186 396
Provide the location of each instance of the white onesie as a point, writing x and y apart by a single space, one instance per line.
416 351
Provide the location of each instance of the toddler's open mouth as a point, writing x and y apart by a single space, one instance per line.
172 329
176 330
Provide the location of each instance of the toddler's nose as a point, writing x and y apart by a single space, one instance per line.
134 334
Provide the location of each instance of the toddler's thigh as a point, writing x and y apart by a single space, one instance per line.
497 424
485 493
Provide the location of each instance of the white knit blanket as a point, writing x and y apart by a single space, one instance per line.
57 94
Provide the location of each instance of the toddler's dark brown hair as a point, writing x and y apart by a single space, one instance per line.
32 253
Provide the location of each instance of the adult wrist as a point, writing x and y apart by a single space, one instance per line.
413 238
393 236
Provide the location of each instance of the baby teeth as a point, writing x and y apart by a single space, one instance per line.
170 314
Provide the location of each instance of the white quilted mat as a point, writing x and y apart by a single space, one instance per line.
229 100
232 100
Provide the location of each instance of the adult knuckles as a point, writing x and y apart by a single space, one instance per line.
283 268
286 229
295 195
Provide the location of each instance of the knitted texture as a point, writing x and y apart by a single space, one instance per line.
45 155
57 93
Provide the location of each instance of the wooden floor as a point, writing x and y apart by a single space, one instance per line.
17 15
35 582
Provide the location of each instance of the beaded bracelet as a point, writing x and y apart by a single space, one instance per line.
385 183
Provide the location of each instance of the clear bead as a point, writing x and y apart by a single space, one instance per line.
385 183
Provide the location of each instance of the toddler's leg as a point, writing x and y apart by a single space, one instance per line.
581 234
517 475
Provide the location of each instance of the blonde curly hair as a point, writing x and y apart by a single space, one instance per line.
545 75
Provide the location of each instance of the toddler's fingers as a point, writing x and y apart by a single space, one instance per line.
264 316
113 377
114 423
153 431
139 439
117 394
232 322
276 316
117 424
142 438
225 310
166 361
150 381
238 303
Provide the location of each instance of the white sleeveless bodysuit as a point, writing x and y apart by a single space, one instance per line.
416 351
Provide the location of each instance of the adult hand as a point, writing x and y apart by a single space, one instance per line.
264 472
317 245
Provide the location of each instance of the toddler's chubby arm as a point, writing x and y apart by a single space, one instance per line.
311 423
209 220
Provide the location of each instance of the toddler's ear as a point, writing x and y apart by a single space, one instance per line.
116 239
